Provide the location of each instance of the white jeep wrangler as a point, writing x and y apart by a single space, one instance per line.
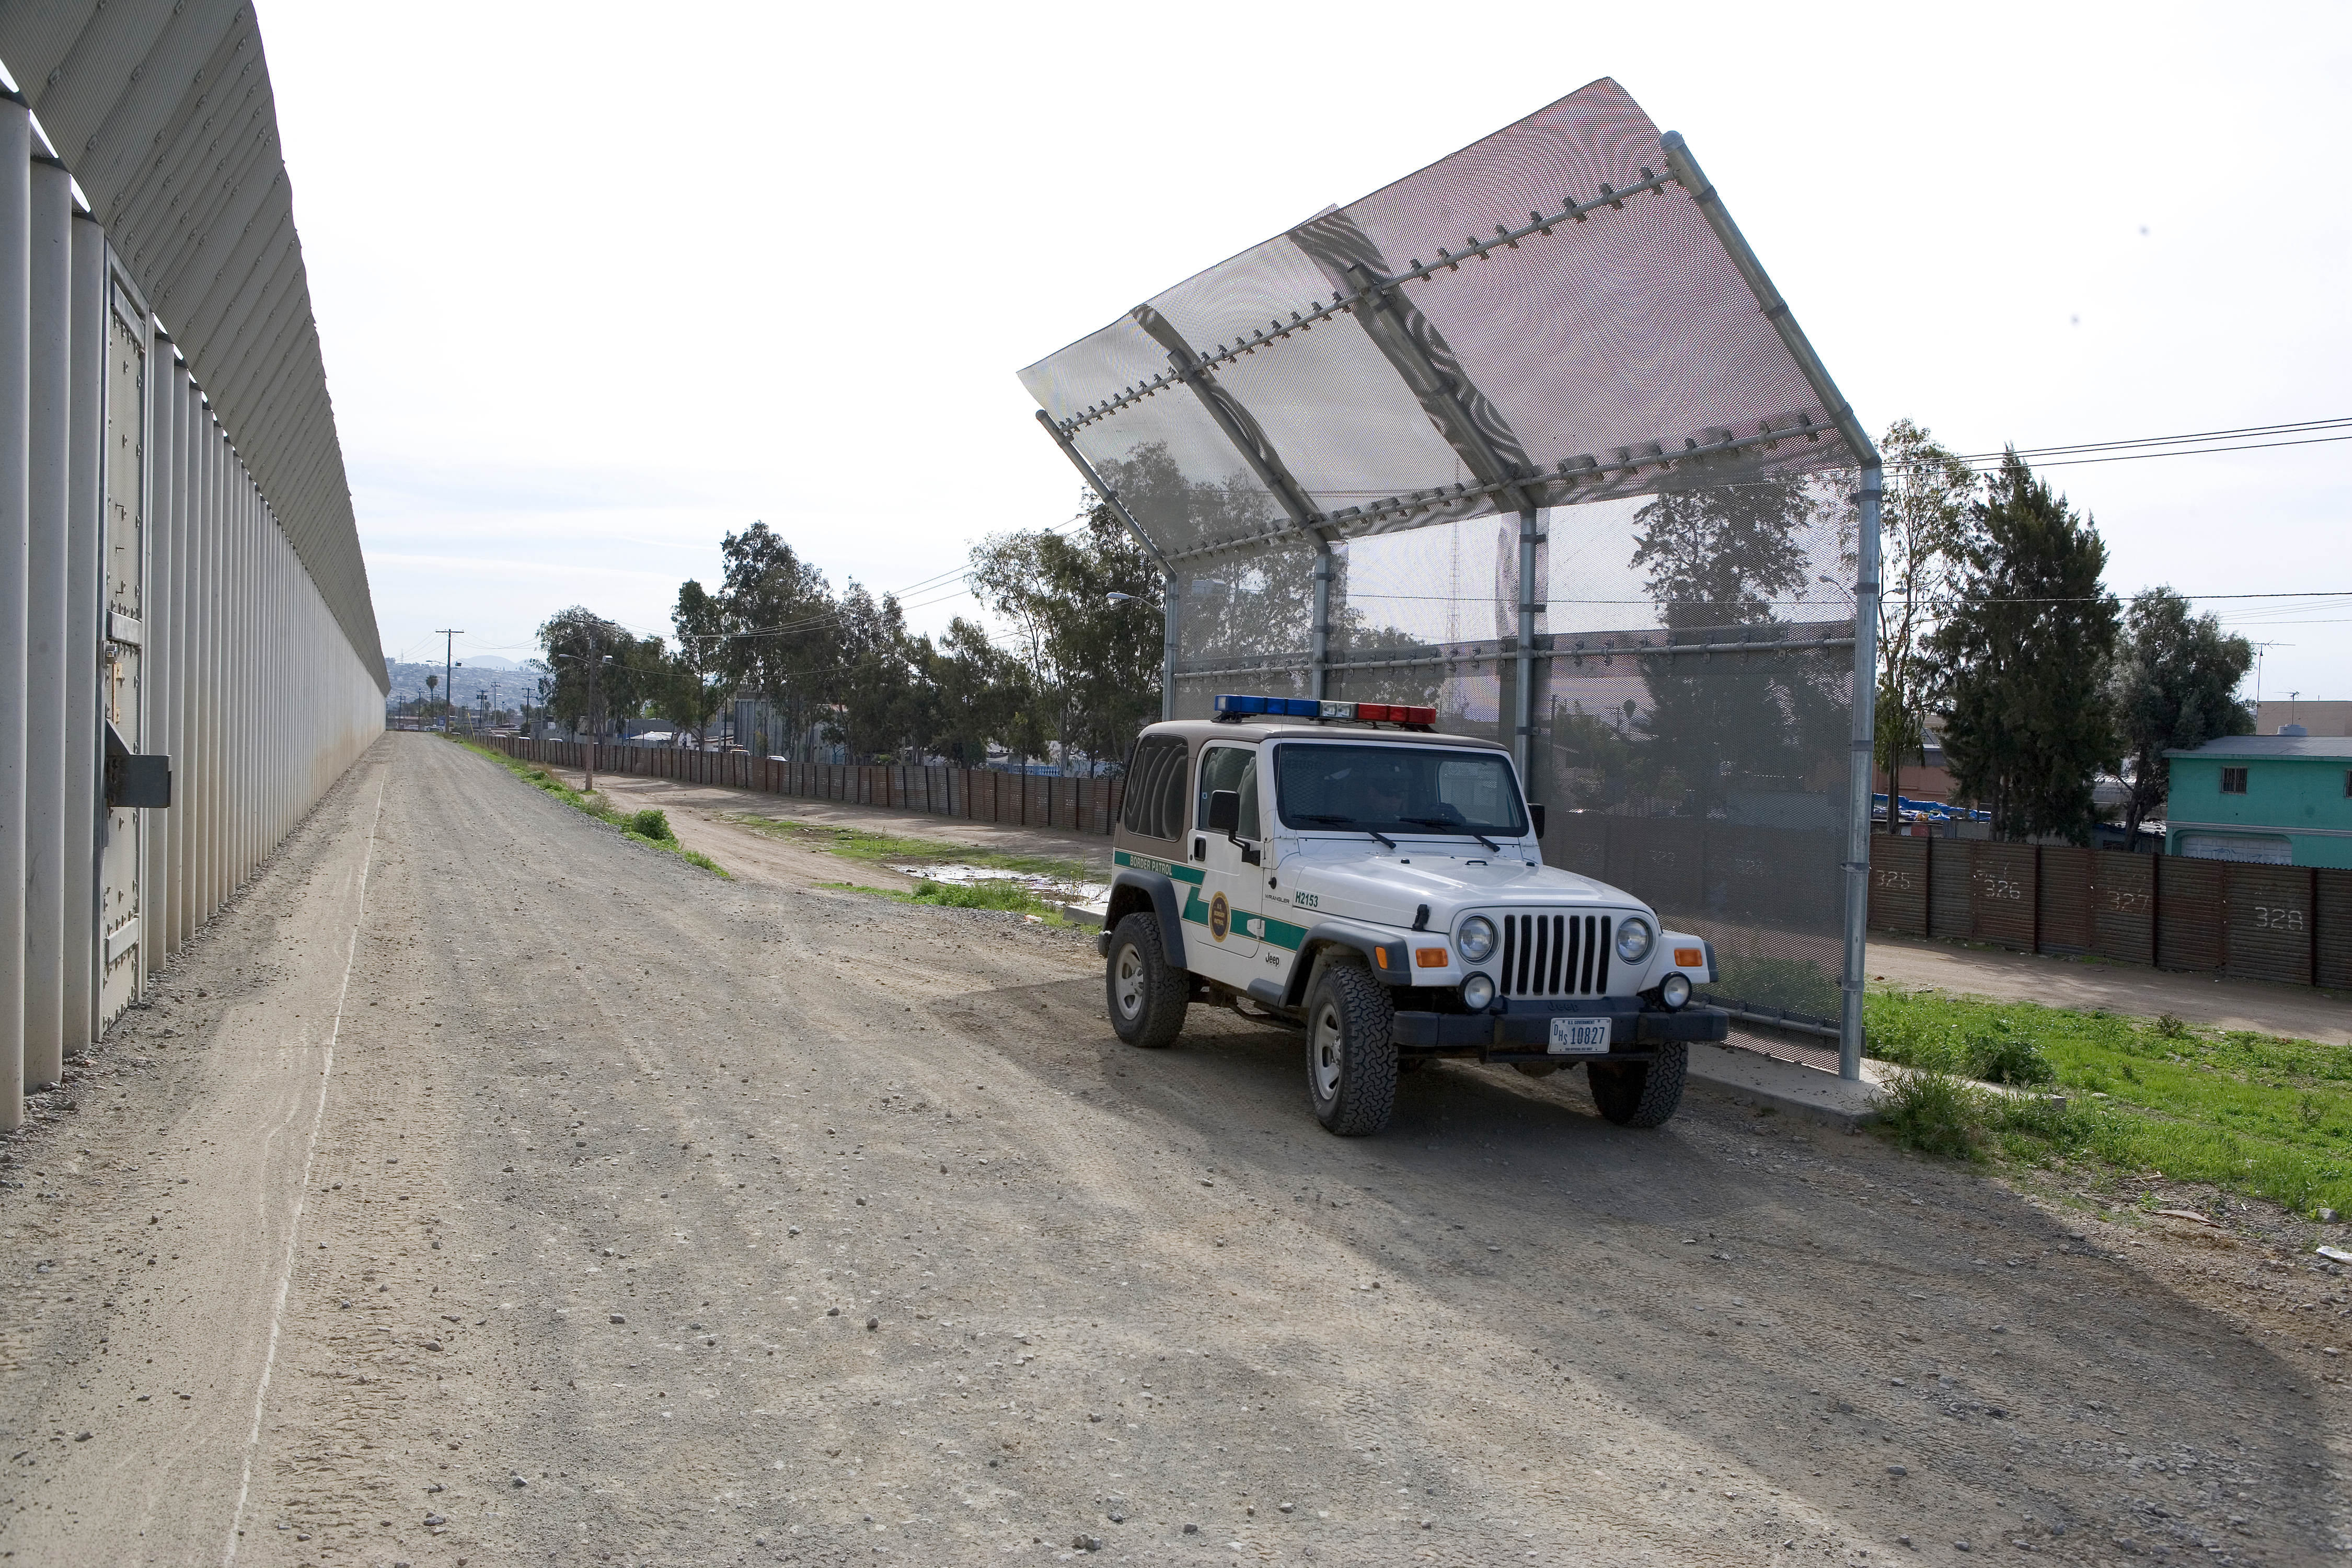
1338 865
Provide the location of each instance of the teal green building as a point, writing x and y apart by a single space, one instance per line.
2277 800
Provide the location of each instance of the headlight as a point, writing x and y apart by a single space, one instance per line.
1674 992
1634 940
1475 940
1476 992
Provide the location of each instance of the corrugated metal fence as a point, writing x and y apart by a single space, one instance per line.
2260 923
977 795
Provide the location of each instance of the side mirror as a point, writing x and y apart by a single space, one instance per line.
1224 810
1536 815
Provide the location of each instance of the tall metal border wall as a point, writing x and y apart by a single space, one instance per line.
188 652
1528 435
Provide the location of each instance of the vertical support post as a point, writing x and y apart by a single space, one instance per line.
1319 634
1523 707
158 671
1171 611
49 456
15 565
85 594
1857 825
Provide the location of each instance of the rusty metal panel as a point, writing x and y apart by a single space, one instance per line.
1578 841
2123 907
2332 913
2002 889
1659 859
2270 915
2063 900
1951 893
1898 884
2190 930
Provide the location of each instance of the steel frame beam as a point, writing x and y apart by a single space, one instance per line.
1250 440
1342 302
1569 472
1171 602
1685 169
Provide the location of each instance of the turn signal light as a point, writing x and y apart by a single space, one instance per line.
1690 957
1429 957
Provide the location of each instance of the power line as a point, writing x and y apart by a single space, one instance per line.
2249 430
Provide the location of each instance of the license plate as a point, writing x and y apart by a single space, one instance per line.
1580 1037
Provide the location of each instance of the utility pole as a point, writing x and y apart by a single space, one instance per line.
593 660
449 658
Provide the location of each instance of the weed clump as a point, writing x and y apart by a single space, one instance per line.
991 893
651 823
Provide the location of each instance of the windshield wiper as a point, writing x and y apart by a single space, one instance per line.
1492 847
1352 822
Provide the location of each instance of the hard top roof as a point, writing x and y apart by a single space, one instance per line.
2291 748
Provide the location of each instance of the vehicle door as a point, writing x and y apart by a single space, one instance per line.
1231 881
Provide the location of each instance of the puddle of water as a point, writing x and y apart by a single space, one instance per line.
1055 887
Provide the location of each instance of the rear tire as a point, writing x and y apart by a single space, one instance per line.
1146 995
1641 1094
1351 1054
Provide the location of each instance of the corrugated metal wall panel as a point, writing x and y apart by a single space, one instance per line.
1951 890
1658 860
2123 907
2063 893
1578 841
2003 887
2190 930
1898 884
2269 921
2331 907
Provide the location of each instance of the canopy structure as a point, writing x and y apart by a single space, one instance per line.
1559 328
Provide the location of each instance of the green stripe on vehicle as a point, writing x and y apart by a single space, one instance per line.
1165 867
1282 933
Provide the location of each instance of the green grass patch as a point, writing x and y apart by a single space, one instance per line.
648 827
881 849
1011 897
2256 1114
1794 985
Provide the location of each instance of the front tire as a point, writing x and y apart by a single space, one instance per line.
1146 996
1351 1054
1641 1094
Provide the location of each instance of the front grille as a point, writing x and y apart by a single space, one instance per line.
1555 955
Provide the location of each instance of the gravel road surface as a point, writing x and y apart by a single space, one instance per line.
482 1187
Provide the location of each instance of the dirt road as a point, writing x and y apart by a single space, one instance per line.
486 1187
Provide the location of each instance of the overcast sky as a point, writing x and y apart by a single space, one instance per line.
600 283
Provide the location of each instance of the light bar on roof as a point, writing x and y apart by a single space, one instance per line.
1231 706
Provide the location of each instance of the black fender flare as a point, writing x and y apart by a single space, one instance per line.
1165 903
1390 961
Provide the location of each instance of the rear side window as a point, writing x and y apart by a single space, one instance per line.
1154 807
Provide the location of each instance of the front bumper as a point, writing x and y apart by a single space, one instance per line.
1521 1031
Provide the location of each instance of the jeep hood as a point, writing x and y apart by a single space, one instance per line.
1371 884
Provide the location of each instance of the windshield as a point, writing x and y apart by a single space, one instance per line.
1397 789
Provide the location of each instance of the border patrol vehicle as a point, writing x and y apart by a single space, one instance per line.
1343 867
